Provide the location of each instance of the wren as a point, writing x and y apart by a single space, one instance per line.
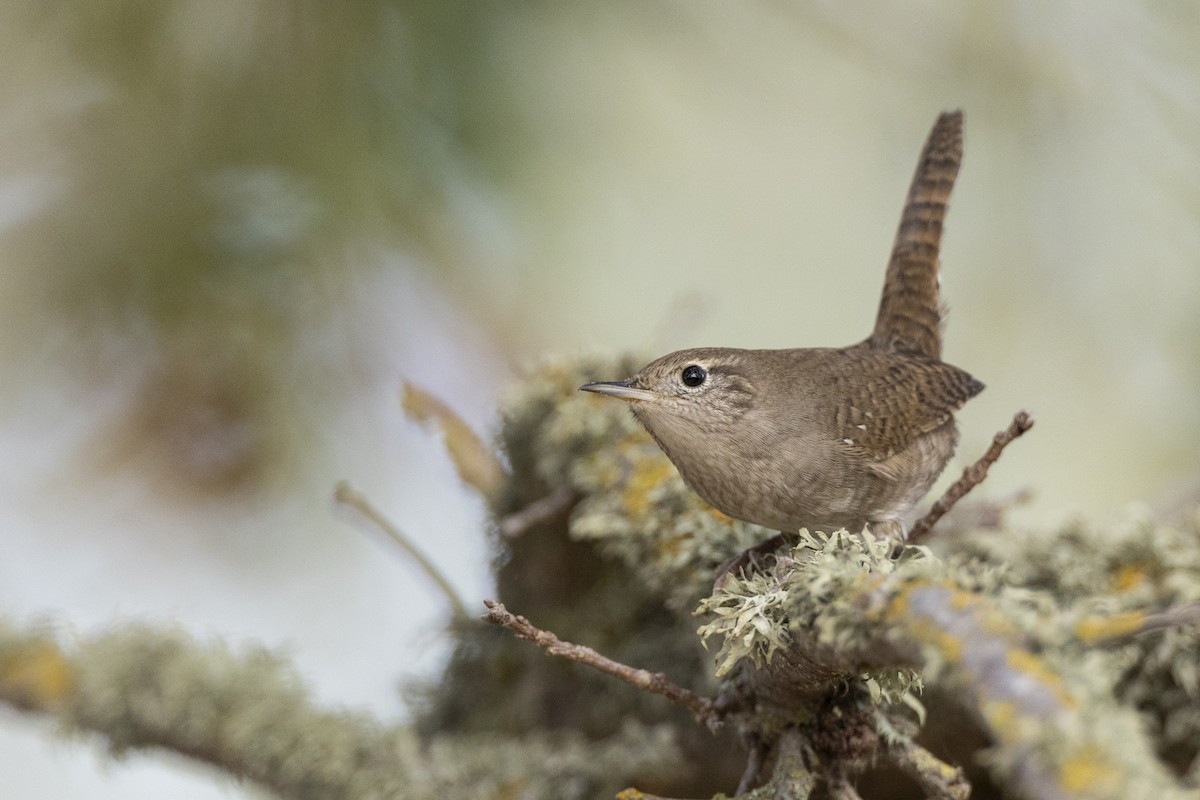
822 437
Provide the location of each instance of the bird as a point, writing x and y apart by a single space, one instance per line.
825 438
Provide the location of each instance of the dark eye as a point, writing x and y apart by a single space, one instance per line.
693 375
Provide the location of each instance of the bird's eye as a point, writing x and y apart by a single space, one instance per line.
693 375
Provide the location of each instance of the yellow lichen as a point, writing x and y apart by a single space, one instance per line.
1088 773
719 516
948 644
648 474
1098 629
1031 665
1001 717
36 675
672 545
1128 577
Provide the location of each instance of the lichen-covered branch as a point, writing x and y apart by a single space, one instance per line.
248 716
937 779
1058 729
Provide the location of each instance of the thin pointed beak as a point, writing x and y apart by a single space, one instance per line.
623 390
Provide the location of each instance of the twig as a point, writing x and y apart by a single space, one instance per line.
347 496
654 682
516 523
1100 630
1171 618
937 779
972 476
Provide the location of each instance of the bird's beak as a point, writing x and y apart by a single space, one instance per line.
623 390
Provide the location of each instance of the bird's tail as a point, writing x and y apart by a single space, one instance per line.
910 312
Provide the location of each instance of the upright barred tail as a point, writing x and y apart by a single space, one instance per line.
910 313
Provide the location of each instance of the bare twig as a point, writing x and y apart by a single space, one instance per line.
1171 618
654 682
516 523
1101 630
937 779
972 476
347 496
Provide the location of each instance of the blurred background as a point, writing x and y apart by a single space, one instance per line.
230 230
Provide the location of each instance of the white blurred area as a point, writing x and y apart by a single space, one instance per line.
693 174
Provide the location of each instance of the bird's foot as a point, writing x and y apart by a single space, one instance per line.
750 557
890 529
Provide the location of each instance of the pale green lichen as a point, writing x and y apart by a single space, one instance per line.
1117 572
804 594
750 621
248 714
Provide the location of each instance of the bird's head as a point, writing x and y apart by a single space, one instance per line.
703 390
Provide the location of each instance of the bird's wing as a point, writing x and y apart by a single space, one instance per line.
890 401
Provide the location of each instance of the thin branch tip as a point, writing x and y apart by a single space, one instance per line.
541 510
347 496
702 708
973 475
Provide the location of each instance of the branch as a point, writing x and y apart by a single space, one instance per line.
1063 737
972 476
937 779
347 496
514 524
794 777
1101 630
752 773
243 714
654 682
1062 733
248 715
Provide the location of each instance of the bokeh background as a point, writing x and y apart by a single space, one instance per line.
230 230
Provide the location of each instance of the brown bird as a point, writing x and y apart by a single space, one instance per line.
823 437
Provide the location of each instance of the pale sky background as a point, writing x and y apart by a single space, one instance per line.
210 302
